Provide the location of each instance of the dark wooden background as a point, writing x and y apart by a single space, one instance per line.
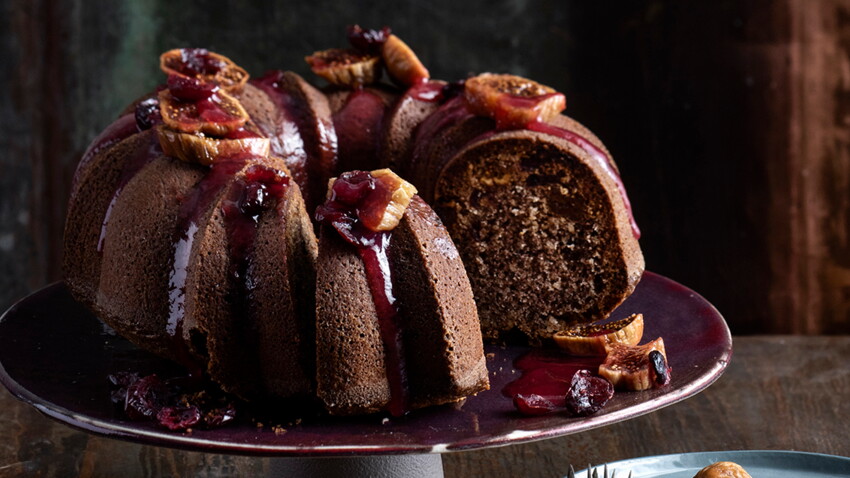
730 120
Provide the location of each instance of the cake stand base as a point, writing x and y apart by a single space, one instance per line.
386 466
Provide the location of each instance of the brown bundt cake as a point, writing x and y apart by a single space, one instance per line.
189 226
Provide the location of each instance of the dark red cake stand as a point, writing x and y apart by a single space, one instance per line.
56 356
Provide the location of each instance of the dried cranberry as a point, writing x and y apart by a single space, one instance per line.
186 88
178 418
369 41
352 187
121 381
145 398
533 404
659 367
260 184
147 114
588 393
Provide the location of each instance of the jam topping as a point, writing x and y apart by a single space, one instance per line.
215 115
356 208
186 88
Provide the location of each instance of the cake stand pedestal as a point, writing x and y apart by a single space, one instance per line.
56 356
388 466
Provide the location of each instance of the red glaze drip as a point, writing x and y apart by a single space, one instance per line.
188 223
210 111
548 373
257 191
427 91
122 128
351 192
358 125
132 166
597 154
290 141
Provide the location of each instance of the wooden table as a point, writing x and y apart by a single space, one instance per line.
779 392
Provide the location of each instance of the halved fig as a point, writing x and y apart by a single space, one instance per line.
217 115
514 102
346 67
385 206
198 148
592 339
206 66
375 200
402 64
630 367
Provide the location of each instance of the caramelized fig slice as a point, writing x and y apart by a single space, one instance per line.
217 115
346 67
386 205
514 102
592 339
375 200
197 148
206 66
402 64
629 367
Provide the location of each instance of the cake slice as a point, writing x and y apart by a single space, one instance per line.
432 355
543 227
296 117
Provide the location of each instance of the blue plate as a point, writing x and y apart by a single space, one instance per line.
758 463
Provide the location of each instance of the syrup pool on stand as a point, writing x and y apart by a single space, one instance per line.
552 381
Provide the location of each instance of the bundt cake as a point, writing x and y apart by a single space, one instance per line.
193 220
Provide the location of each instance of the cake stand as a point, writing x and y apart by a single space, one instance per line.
56 356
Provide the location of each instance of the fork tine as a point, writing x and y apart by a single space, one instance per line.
572 472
